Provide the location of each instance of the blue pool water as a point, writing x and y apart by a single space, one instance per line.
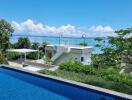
18 85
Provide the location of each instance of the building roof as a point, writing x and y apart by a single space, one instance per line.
70 46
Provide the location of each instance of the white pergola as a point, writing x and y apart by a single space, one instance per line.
23 51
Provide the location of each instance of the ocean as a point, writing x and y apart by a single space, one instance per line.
61 40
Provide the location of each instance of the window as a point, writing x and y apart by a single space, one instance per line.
82 59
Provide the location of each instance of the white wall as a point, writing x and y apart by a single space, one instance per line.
86 56
74 56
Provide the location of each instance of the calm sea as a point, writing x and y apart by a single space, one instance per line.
63 40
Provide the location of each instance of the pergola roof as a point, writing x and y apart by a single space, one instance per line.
22 50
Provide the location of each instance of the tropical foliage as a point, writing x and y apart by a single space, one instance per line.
3 60
43 46
23 42
34 45
83 44
119 49
5 31
104 77
110 74
90 79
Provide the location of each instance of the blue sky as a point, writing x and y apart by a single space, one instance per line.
94 17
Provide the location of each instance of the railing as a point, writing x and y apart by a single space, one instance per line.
59 53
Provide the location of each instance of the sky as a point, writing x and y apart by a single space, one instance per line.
67 17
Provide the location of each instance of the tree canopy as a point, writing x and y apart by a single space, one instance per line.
35 45
43 46
23 42
119 50
5 31
83 44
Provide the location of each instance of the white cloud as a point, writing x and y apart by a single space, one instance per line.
31 28
101 31
37 28
66 29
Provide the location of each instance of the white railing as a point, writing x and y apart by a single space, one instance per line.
59 53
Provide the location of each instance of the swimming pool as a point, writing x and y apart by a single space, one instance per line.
16 84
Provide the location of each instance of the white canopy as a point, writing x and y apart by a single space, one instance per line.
23 51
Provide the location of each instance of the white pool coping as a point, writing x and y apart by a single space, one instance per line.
32 68
103 90
36 68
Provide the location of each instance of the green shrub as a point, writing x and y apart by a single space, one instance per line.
90 79
109 74
13 55
3 59
71 66
32 55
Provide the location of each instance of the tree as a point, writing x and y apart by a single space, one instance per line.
3 60
35 45
5 31
23 42
83 44
120 46
98 59
98 40
42 47
122 43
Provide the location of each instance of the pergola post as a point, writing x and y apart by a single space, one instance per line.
38 54
25 56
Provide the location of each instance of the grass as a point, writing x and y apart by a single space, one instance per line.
108 73
90 79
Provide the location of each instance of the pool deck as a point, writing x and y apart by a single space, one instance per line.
17 63
30 68
98 89
14 64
